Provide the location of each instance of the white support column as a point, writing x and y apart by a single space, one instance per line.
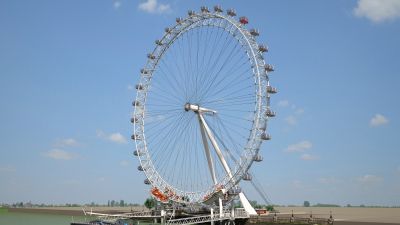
221 208
215 145
212 216
207 151
246 204
206 130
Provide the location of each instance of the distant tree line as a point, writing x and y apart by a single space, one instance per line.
151 203
307 204
110 203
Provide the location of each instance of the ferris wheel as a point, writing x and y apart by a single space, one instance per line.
202 108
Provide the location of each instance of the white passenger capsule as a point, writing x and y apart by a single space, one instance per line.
168 30
134 120
144 71
204 9
179 20
147 181
247 176
263 48
269 68
158 42
218 8
135 137
137 153
235 191
258 158
271 90
139 87
140 168
265 136
135 103
231 12
151 56
270 113
254 32
191 13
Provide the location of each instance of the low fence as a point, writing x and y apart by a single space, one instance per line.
287 219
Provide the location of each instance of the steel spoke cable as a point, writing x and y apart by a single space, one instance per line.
206 69
211 74
215 74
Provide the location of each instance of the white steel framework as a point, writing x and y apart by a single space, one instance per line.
198 91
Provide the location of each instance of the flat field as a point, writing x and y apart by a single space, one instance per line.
354 214
342 215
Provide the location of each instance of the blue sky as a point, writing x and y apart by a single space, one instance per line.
67 76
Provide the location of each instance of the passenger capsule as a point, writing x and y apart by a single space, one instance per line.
231 12
179 20
147 181
235 191
144 71
263 48
247 176
140 168
134 120
137 153
254 32
168 30
271 90
265 136
135 137
139 87
258 158
218 8
270 113
204 9
135 103
158 42
191 12
243 20
151 56
269 68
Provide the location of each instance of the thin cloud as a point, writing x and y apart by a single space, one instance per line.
297 184
308 157
114 137
291 120
130 87
299 111
369 179
378 11
124 163
378 120
70 182
7 169
328 180
283 103
117 138
59 154
68 142
152 6
116 4
151 119
299 147
295 114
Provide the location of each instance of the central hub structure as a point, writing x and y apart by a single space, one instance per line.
197 109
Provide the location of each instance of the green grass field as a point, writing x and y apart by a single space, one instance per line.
3 210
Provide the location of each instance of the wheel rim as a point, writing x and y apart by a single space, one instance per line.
163 129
